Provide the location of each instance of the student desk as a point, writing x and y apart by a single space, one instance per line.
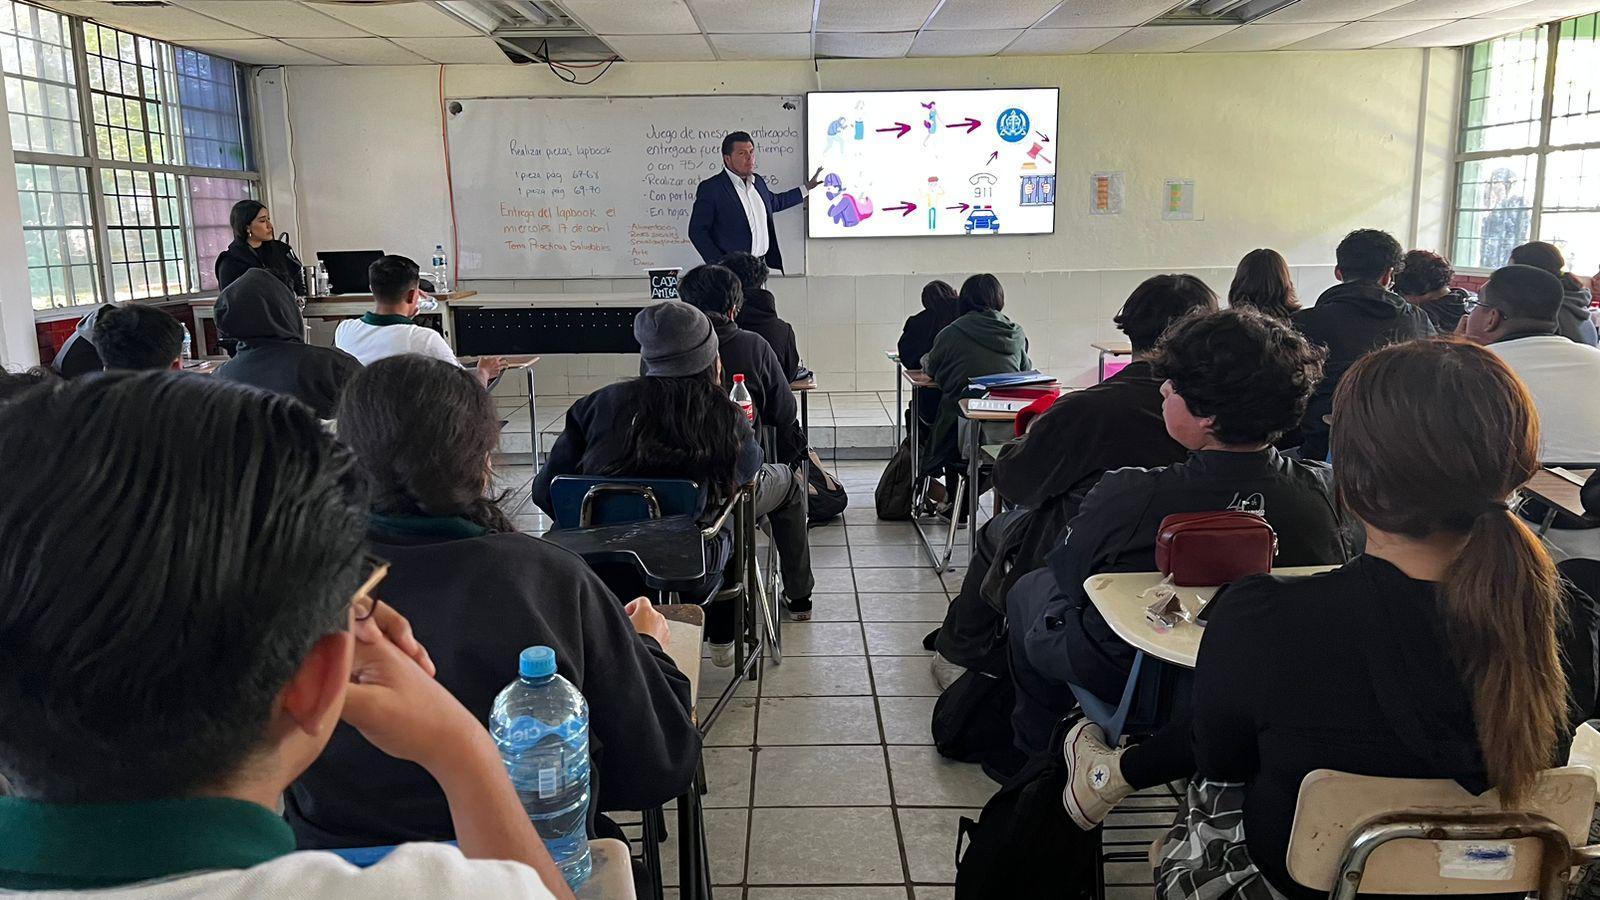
899 388
526 364
804 387
918 381
203 366
612 876
1117 597
1559 489
1111 348
686 627
975 458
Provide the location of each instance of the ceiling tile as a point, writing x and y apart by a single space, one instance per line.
1362 35
660 47
274 18
456 50
260 52
1439 9
874 15
636 17
1105 13
161 22
864 45
359 51
744 17
1547 10
977 42
1466 31
1056 41
762 46
1338 11
1256 36
397 19
957 15
1164 38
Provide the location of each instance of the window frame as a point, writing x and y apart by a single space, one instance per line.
95 166
1540 151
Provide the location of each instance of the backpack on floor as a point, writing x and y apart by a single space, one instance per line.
972 720
1023 845
826 498
893 496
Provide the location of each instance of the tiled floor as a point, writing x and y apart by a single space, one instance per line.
824 784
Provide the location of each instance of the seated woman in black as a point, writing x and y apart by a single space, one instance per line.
672 422
1234 381
1452 648
940 307
477 592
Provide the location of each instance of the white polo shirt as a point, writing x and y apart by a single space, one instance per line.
377 336
1563 376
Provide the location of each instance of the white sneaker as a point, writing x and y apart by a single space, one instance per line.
1094 776
945 672
722 655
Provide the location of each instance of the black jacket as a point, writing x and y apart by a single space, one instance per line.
78 355
917 337
260 314
1351 320
1349 671
1115 531
759 315
744 352
276 257
476 603
1447 311
596 434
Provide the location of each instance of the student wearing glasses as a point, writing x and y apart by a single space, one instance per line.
177 656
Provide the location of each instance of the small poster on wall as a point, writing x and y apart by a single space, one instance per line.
1105 194
664 284
1178 200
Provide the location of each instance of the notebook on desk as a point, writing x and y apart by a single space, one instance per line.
1011 379
989 404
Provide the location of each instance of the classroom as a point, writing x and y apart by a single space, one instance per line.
800 449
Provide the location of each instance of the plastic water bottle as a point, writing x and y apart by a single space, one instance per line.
441 269
324 285
541 724
188 345
741 396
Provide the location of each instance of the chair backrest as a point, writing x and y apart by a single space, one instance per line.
1335 807
583 501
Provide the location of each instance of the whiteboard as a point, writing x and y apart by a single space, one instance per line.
602 187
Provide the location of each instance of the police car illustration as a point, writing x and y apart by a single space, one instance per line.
982 218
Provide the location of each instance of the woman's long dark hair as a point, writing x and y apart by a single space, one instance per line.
683 428
243 213
1263 281
423 430
939 298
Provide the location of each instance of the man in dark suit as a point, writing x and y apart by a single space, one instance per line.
733 209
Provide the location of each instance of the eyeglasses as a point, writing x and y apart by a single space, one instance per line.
363 604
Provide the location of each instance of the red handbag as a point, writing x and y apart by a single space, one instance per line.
1206 549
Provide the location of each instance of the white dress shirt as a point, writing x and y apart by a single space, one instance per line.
755 212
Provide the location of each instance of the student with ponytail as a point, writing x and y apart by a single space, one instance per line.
1452 648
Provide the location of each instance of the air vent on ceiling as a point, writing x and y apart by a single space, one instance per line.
1220 12
529 30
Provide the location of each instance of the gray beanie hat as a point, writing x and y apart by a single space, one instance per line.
675 339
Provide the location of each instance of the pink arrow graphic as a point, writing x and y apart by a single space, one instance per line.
900 127
1043 137
993 156
970 124
905 205
960 208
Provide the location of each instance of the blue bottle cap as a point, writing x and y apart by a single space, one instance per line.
537 662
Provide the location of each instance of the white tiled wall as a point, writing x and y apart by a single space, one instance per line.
845 323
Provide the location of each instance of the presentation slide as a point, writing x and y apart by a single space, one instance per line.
921 163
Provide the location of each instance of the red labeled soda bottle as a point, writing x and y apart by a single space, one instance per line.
741 396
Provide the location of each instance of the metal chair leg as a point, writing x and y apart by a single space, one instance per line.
955 522
654 834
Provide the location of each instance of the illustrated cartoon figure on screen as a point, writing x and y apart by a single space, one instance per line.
835 136
861 124
931 195
843 208
930 120
1047 190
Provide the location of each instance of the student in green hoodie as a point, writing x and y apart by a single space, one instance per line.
981 342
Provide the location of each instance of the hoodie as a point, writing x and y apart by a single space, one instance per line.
979 343
260 314
1447 311
759 314
1351 320
276 257
1574 323
78 355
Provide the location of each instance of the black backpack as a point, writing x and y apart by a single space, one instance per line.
826 498
893 496
972 720
1023 845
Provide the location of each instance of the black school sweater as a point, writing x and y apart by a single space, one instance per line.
759 315
476 603
1347 671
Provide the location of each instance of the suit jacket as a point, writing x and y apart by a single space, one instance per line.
718 225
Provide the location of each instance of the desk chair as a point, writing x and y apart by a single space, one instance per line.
1357 833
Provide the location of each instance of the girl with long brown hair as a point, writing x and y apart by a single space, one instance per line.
1263 281
1451 648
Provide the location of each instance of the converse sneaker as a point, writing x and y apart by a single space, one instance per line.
1094 776
722 655
799 610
